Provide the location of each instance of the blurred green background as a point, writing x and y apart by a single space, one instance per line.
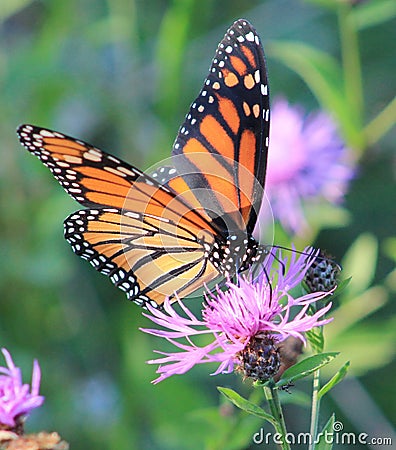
121 74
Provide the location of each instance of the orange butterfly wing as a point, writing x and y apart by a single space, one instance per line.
148 257
149 241
156 241
221 149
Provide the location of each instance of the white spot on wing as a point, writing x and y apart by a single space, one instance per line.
250 36
46 133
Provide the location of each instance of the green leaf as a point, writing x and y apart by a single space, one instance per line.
246 405
327 215
389 248
316 339
324 441
337 378
11 7
381 124
221 422
369 14
173 34
323 75
379 338
306 367
341 286
360 262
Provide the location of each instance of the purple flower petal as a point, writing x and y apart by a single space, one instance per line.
307 160
234 317
16 398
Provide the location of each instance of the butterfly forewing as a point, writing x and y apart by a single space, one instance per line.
222 146
97 179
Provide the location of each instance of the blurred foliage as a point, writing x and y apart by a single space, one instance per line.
121 74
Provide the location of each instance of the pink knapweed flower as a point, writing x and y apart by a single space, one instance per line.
307 161
244 323
17 399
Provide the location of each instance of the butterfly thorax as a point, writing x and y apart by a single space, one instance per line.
236 254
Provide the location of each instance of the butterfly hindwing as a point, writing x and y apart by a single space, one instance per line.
221 148
148 257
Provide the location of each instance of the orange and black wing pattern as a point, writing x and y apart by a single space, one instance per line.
158 240
220 152
149 241
150 258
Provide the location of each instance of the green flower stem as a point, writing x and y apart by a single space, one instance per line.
351 68
315 409
271 394
315 405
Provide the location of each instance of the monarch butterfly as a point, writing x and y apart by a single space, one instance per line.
166 235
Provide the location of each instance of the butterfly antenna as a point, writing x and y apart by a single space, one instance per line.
320 256
278 260
269 283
